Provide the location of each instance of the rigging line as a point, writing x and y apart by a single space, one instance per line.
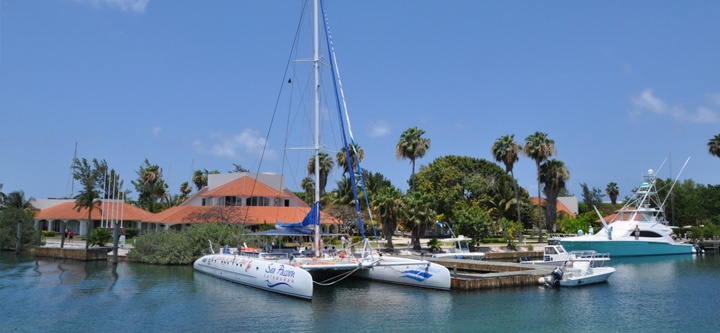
335 279
342 124
277 103
342 107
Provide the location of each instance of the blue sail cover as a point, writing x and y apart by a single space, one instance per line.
310 220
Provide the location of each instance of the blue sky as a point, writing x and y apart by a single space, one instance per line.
619 85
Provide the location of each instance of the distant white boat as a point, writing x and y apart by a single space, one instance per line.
555 255
575 273
639 228
460 250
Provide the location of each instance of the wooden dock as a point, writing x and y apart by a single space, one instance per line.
491 274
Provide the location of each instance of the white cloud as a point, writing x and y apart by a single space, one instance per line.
647 101
137 6
248 142
156 131
379 129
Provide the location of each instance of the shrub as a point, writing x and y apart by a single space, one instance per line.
48 233
131 232
100 236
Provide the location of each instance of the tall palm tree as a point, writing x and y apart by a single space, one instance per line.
412 146
386 204
507 151
612 191
714 146
553 175
539 147
355 152
88 198
326 165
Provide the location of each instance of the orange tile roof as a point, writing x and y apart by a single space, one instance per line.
245 186
67 211
560 206
252 215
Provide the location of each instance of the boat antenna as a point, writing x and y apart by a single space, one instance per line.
602 219
675 182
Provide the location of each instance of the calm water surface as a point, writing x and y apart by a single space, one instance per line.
660 294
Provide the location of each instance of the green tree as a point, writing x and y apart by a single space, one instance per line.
454 179
238 168
16 199
714 145
473 221
612 191
326 165
591 197
412 146
2 196
308 186
151 188
356 153
387 205
417 215
553 175
539 148
89 197
9 218
506 151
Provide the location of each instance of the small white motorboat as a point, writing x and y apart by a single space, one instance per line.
556 255
460 250
577 273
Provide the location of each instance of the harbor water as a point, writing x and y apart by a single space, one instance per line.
650 294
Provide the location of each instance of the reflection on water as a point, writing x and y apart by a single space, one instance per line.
665 293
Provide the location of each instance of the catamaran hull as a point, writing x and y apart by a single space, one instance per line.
627 248
262 274
462 256
407 272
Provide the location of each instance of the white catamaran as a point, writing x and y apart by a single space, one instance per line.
296 275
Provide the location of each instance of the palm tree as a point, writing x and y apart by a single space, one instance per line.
88 198
199 179
507 151
326 165
612 191
387 203
412 146
539 148
308 185
355 152
714 146
16 199
416 215
553 175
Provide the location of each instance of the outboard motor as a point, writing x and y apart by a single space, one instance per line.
553 280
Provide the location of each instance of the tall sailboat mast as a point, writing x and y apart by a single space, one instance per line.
316 69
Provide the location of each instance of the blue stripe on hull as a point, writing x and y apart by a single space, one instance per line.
631 248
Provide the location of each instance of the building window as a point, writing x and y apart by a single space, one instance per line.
257 201
231 201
